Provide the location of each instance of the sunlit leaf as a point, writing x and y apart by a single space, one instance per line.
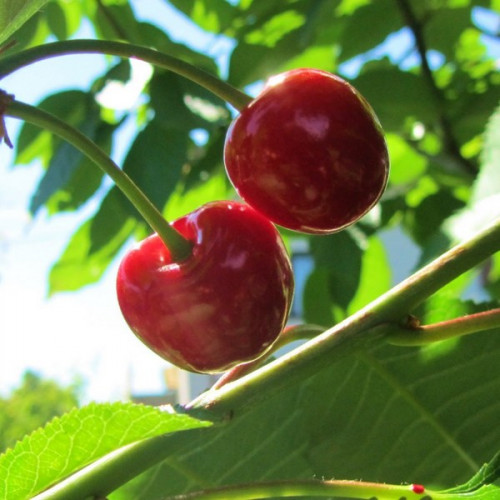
406 164
94 245
14 13
375 276
76 439
488 181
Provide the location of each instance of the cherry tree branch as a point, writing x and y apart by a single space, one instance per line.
450 142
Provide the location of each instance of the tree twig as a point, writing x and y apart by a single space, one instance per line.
450 142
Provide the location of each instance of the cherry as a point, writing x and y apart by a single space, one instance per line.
224 304
308 152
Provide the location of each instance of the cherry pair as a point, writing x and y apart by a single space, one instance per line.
307 154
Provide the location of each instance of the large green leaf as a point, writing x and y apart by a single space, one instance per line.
424 415
78 438
14 13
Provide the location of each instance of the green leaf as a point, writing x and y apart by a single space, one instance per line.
425 220
14 13
56 20
389 415
375 278
155 160
76 439
94 245
34 143
444 28
484 206
487 474
488 181
340 254
211 15
65 163
182 202
317 304
275 28
406 164
354 41
396 95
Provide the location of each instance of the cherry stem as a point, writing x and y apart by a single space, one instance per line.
417 335
218 87
178 246
314 488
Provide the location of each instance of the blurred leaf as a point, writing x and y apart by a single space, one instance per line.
181 202
427 217
406 164
252 62
444 27
14 13
484 206
74 440
341 256
35 143
211 15
471 112
66 164
354 40
93 246
114 19
375 276
488 180
317 304
275 28
396 95
56 20
159 39
209 162
155 160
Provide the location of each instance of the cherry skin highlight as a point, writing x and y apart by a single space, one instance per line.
225 304
308 152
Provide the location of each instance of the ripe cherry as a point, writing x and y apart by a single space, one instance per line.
223 305
308 152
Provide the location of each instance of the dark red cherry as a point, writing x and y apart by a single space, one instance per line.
308 152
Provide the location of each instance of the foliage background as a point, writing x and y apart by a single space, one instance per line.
427 67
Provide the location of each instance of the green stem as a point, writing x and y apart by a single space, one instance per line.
113 470
367 325
315 488
214 84
290 334
465 325
178 246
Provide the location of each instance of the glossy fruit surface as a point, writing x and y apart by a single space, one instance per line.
308 152
225 304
